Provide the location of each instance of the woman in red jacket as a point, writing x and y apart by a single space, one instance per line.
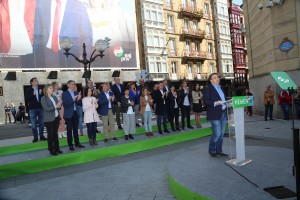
285 101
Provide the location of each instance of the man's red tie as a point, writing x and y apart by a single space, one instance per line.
55 33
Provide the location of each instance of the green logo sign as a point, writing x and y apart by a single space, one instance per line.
242 101
283 80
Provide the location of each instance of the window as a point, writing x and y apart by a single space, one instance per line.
152 67
195 25
149 41
222 11
186 24
170 21
209 48
156 41
172 44
211 68
147 15
206 9
187 46
158 67
193 5
208 28
168 2
190 65
199 67
184 3
227 68
160 17
154 15
174 67
197 46
164 68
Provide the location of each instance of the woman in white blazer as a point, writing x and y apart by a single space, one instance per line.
91 117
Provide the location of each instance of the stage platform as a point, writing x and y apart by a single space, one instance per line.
197 175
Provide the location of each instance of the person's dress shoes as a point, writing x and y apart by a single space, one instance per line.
213 154
95 142
131 136
115 139
43 138
59 151
178 129
126 137
71 148
53 153
79 145
160 132
35 140
105 140
120 127
167 131
222 154
190 127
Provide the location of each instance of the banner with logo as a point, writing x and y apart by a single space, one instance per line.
31 31
242 101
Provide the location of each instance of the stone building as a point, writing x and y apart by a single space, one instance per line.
273 37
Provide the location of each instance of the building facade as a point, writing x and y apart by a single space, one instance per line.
239 50
268 30
190 44
223 38
153 39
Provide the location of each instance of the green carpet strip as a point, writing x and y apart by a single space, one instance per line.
63 142
43 164
183 193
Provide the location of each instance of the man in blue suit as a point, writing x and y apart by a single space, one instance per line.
214 99
106 101
55 19
69 98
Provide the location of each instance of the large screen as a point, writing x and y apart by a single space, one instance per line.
31 31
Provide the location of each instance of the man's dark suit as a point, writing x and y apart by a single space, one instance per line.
75 25
185 110
210 97
217 117
35 111
173 112
71 118
161 109
104 103
118 95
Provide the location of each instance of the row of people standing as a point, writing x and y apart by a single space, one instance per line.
17 115
284 100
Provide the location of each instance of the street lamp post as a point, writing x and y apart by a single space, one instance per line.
100 47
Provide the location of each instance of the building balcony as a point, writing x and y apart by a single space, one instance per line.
191 56
240 66
236 26
170 29
228 75
237 45
189 11
209 36
202 76
158 76
191 33
172 53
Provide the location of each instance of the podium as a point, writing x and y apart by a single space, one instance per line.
236 122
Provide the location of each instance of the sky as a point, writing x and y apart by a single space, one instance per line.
238 2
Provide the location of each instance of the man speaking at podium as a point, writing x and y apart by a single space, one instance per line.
214 99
